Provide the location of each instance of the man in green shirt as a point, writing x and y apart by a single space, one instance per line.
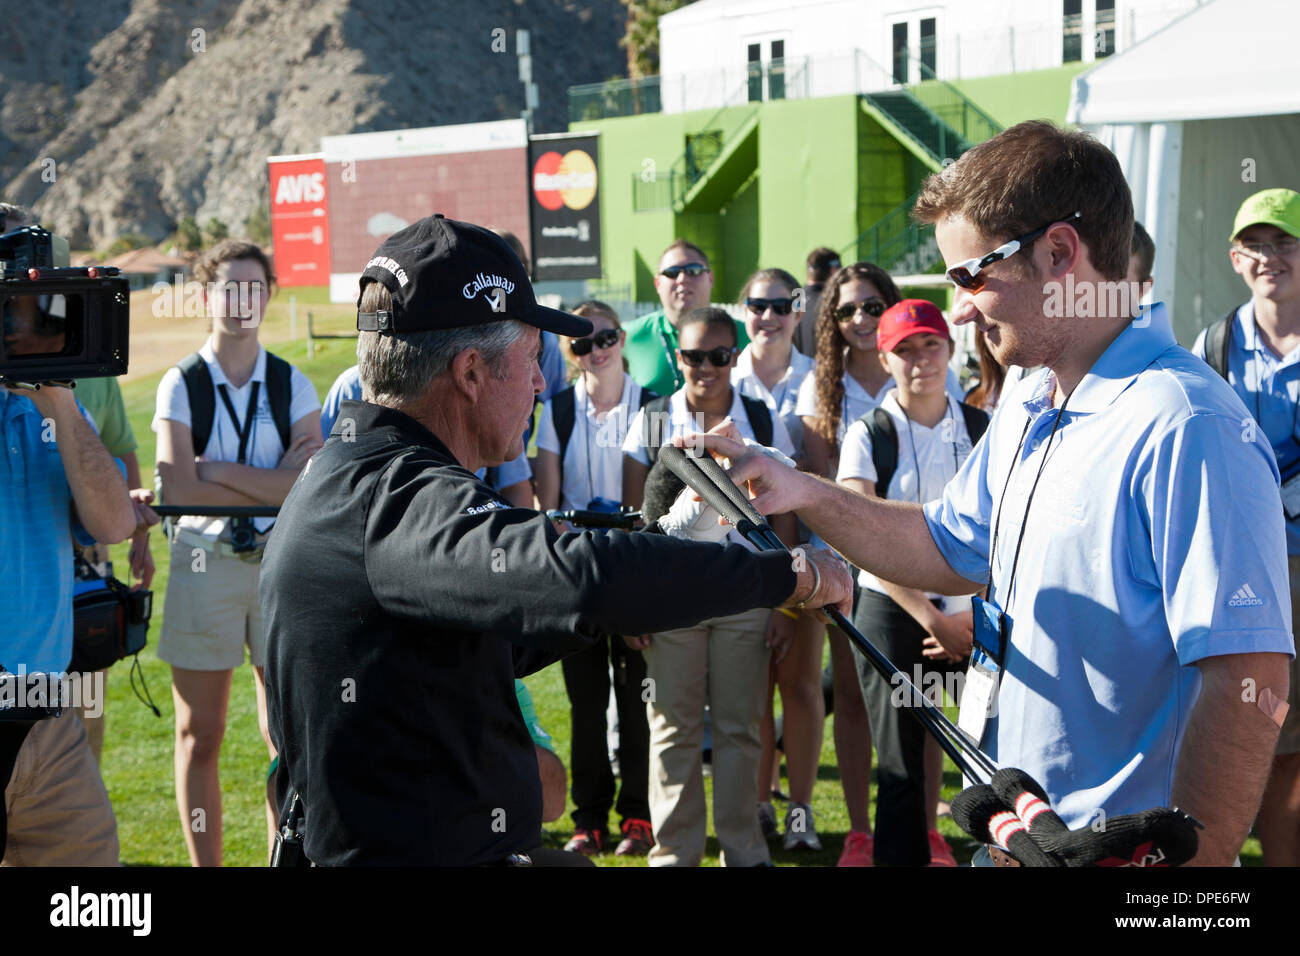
684 281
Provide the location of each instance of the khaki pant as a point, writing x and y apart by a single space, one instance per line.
722 662
58 809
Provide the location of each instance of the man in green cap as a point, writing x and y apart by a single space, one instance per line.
1256 347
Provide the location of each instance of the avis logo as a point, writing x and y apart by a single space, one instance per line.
305 187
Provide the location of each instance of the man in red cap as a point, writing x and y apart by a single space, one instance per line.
907 449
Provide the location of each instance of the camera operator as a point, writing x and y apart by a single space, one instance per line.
59 478
37 328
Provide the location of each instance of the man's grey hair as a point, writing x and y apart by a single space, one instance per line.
397 367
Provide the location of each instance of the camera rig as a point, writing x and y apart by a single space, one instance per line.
82 313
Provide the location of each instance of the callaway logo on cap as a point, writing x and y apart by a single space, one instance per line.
444 274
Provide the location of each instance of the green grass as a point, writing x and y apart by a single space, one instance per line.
137 761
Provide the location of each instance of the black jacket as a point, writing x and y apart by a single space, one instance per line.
402 597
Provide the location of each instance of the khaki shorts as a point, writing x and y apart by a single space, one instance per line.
58 809
211 611
1288 742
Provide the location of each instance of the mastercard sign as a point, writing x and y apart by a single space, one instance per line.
568 180
564 206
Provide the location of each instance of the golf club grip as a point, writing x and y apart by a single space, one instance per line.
687 469
735 495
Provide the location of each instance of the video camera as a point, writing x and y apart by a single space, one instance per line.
60 323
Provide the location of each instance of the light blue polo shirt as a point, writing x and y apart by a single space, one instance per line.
35 543
1155 539
1270 388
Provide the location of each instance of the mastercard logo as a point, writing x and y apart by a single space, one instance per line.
568 180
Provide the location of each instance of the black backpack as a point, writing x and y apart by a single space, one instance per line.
203 402
884 440
760 420
1217 339
564 412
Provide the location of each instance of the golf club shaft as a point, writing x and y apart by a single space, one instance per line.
696 475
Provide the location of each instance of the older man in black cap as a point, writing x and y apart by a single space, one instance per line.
402 595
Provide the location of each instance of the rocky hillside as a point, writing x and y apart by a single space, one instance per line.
121 116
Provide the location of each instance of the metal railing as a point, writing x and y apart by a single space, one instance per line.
892 239
628 97
952 106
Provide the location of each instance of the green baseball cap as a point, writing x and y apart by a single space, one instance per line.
1271 207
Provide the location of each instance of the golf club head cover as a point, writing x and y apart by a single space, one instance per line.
1023 794
1156 837
980 812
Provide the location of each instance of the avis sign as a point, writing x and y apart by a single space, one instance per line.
300 228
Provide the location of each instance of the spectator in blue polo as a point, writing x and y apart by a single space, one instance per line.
1256 347
1126 525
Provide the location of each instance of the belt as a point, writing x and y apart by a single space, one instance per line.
29 714
221 548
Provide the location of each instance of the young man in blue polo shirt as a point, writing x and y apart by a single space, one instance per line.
1139 576
1256 348
55 811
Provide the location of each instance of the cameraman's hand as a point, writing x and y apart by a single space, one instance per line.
50 400
299 450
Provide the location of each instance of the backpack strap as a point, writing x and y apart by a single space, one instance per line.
760 419
1217 340
654 425
563 414
884 447
201 393
279 392
977 422
203 403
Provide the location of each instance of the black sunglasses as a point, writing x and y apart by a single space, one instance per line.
692 269
601 340
968 274
873 307
720 357
779 306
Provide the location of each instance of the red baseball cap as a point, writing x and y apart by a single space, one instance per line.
909 317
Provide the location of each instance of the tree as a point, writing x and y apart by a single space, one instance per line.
258 226
641 37
125 243
214 231
188 235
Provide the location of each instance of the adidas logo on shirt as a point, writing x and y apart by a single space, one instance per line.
1245 597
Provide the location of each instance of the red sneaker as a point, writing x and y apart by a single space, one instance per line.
638 838
858 849
940 852
587 842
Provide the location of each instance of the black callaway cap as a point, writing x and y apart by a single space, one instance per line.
445 274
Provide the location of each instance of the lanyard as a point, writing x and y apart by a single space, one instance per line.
246 429
672 359
917 464
1024 521
1259 387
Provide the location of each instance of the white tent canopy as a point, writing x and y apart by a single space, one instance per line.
1227 58
1201 115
